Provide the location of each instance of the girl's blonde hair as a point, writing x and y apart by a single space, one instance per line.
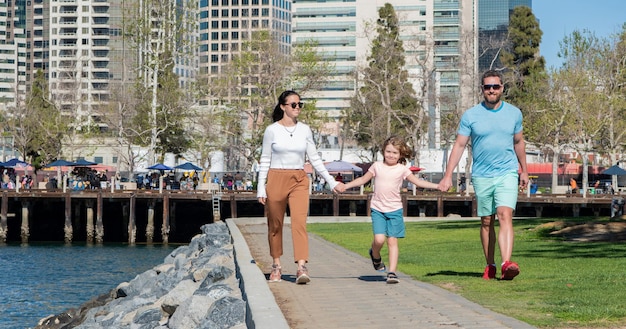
400 144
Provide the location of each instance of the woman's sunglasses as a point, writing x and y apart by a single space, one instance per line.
293 105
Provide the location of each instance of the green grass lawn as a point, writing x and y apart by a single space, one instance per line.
561 284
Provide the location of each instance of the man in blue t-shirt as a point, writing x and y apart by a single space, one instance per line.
498 151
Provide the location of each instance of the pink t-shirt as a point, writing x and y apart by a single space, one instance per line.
387 184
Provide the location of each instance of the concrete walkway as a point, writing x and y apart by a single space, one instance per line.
345 291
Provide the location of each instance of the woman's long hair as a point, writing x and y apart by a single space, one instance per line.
278 112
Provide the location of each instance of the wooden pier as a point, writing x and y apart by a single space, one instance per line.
153 216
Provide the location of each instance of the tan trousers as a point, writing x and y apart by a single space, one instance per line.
287 187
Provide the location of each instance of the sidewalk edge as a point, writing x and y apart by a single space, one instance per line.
262 311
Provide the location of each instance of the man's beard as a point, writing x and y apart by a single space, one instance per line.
494 102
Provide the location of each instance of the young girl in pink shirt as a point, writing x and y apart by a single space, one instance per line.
386 204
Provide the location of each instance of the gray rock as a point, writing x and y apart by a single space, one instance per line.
195 287
149 316
228 312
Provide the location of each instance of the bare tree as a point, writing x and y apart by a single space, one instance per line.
249 86
160 35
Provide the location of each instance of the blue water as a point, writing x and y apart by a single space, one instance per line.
37 280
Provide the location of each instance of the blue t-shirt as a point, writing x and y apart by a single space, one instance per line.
491 132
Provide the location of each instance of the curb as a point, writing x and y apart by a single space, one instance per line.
262 311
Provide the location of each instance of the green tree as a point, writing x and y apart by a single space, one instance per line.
522 59
385 103
160 33
249 86
612 78
585 92
37 125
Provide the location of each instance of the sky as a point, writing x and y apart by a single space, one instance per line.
559 18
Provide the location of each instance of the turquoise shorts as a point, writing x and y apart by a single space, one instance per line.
390 224
494 192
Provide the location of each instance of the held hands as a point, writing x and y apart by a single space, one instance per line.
444 184
340 188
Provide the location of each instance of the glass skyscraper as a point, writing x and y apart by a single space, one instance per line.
493 24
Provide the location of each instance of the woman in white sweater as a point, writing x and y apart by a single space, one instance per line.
282 181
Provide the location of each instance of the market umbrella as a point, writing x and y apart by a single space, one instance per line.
614 170
414 168
15 162
84 163
342 166
159 166
187 166
60 163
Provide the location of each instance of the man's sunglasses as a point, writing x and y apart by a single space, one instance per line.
494 87
293 105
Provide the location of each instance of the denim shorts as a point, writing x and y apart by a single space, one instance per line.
494 192
390 224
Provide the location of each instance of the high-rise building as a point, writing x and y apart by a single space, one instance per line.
13 51
225 25
437 36
79 57
37 38
493 25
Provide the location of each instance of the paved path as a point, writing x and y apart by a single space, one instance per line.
346 292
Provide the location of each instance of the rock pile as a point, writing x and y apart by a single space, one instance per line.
195 287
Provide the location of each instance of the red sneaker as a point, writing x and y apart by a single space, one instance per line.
490 272
509 270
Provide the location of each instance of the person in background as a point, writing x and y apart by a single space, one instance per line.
573 185
498 152
283 181
386 204
462 184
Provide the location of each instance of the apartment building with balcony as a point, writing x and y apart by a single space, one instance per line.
79 71
13 52
225 25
